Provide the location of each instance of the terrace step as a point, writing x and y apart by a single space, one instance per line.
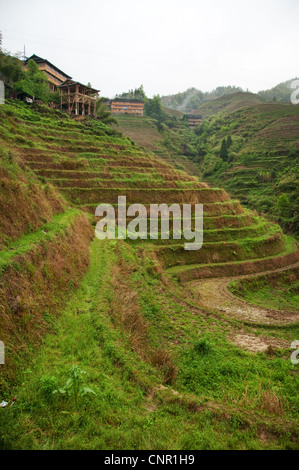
143 196
47 232
93 183
221 251
211 235
87 174
229 213
187 273
91 168
214 222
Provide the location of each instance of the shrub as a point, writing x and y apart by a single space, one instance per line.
203 347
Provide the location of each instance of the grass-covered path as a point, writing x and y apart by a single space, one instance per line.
92 386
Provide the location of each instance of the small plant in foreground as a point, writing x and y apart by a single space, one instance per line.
73 388
48 387
74 385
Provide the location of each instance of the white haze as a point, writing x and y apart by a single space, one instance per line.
166 45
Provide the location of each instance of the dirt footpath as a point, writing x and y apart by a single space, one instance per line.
214 294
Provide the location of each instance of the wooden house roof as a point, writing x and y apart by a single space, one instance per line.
39 60
74 82
127 100
193 116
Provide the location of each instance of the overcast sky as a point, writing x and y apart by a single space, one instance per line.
166 45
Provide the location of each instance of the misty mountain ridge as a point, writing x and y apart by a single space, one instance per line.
191 99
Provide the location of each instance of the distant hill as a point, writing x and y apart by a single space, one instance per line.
229 103
251 147
260 165
192 98
172 140
173 112
280 92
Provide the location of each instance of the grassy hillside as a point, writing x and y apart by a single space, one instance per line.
171 139
228 103
191 99
25 204
141 129
198 391
280 92
117 344
261 165
43 255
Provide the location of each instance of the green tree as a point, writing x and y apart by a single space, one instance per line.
153 108
103 113
11 69
210 163
137 94
283 205
223 150
34 83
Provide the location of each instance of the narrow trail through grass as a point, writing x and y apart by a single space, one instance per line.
88 388
132 360
215 294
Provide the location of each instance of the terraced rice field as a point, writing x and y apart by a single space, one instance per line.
89 169
170 357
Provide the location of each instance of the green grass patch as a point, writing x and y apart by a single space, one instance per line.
280 291
46 233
